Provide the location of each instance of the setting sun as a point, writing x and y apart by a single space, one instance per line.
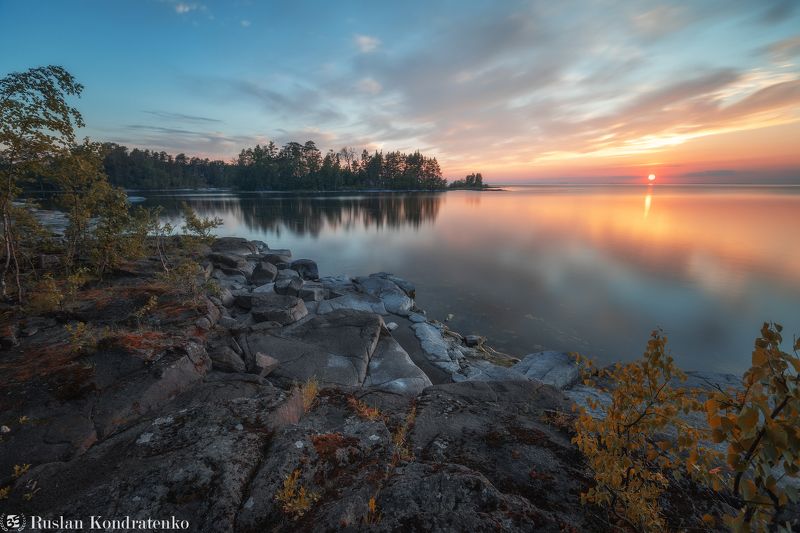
651 177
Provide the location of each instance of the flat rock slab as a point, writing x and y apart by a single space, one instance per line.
335 348
709 381
435 346
191 462
354 302
338 285
558 369
478 370
417 318
391 369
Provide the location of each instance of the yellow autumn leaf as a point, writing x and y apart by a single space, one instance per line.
748 419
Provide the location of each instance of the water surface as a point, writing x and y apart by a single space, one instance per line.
589 269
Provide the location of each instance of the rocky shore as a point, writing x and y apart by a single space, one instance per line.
288 400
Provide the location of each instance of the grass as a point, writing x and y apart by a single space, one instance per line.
309 391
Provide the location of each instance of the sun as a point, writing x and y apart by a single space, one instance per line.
651 177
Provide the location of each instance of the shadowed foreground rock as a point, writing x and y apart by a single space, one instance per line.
478 458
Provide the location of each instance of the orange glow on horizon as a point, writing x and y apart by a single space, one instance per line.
771 148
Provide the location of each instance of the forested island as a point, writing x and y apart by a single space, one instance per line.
473 182
294 166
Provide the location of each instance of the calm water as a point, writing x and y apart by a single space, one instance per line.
589 269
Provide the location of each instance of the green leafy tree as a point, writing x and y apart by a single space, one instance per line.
36 121
196 229
84 189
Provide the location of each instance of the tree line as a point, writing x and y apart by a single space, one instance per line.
294 166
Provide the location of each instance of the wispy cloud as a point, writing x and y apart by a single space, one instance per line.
191 141
180 117
182 8
366 43
244 23
370 86
785 49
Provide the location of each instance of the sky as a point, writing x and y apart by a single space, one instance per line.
521 91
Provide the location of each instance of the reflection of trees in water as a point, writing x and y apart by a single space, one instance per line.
310 214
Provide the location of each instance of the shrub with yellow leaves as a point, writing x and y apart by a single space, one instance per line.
631 468
761 425
295 500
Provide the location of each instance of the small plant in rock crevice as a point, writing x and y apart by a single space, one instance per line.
295 499
363 410
309 391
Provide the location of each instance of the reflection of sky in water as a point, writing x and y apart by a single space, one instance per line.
593 269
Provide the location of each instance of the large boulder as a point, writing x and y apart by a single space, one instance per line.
280 308
312 291
404 285
264 272
391 369
263 364
290 286
394 298
228 260
286 273
279 260
558 369
306 268
227 360
234 245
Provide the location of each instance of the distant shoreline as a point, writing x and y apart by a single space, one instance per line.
295 191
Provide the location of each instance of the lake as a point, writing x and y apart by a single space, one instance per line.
592 269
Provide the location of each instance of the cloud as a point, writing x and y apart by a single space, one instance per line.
176 140
785 49
719 173
778 10
245 23
369 86
366 43
182 8
180 117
